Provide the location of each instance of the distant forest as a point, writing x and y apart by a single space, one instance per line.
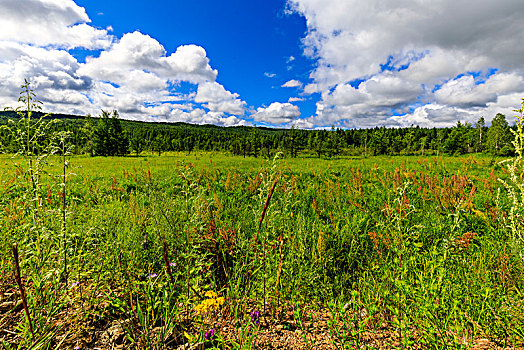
108 135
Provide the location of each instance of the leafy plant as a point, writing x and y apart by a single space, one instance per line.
515 186
31 139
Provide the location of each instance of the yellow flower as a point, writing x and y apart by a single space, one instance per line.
210 294
211 303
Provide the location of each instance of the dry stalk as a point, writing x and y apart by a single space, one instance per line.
280 260
266 205
21 287
279 271
255 240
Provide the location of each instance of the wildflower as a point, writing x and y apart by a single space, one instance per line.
255 316
152 275
204 306
210 333
210 294
74 284
212 302
200 309
172 264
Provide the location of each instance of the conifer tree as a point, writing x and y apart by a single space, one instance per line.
108 137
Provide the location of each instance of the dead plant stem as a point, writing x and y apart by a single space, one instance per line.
21 288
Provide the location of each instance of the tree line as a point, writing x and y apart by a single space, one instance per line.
109 135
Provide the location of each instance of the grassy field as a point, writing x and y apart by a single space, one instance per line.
216 251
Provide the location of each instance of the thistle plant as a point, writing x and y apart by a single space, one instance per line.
29 137
515 186
33 144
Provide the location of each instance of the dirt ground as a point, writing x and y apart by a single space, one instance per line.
95 330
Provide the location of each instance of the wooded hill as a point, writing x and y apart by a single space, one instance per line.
108 134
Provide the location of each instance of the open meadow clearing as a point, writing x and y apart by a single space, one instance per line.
218 251
283 174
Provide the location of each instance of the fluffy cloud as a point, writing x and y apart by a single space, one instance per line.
53 74
217 99
139 52
303 123
464 91
368 104
277 113
48 68
136 71
420 52
292 84
133 74
198 116
384 90
60 23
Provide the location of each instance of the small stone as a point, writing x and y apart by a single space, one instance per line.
114 334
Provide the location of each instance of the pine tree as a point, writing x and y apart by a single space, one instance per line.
108 137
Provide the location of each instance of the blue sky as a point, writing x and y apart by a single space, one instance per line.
245 40
307 63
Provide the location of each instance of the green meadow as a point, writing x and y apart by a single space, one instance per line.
211 250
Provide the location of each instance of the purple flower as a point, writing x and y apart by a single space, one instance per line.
255 316
74 284
172 264
209 334
152 275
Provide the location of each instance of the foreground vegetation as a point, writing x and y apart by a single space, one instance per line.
419 246
211 250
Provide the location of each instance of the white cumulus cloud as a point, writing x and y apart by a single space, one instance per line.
464 91
133 74
60 23
137 51
218 99
292 84
277 113
376 57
